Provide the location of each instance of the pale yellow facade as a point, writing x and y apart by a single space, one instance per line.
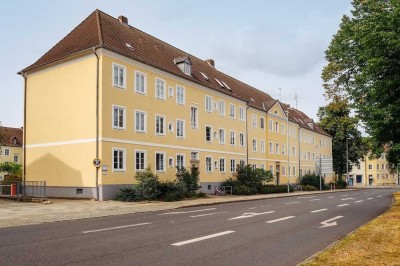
61 129
373 173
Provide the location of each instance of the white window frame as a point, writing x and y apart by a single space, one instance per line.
7 152
164 161
183 159
178 99
233 165
232 133
144 152
171 127
254 145
156 91
277 148
241 113
209 170
124 117
196 157
123 86
208 103
262 143
138 73
262 122
220 135
163 125
194 124
283 129
183 128
144 120
221 107
254 120
242 137
271 125
123 169
222 159
211 133
271 145
16 156
170 91
232 111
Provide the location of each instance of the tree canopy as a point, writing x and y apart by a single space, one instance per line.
364 66
335 119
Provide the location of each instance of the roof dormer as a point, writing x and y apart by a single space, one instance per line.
184 64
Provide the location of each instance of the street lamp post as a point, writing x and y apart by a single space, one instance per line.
347 160
319 170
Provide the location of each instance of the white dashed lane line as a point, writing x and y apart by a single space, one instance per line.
343 205
294 202
370 198
331 197
203 210
202 238
280 219
206 214
358 201
379 196
306 197
314 199
114 228
252 208
348 199
320 210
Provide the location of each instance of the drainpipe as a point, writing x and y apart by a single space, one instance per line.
24 134
298 153
247 134
97 121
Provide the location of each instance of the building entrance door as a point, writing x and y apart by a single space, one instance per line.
278 172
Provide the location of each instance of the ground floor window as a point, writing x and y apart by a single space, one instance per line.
180 161
233 165
208 164
118 159
359 178
160 161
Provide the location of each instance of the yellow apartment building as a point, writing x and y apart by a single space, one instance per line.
111 92
373 173
10 146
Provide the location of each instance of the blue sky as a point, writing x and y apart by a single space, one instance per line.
267 44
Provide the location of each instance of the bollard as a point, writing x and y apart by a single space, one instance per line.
13 189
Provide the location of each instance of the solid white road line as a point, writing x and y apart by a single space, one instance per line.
348 199
294 202
114 228
359 201
343 205
314 199
203 210
280 219
320 210
206 214
201 238
306 197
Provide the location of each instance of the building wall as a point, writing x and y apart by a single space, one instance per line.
60 124
373 172
15 154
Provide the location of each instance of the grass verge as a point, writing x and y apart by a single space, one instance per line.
375 243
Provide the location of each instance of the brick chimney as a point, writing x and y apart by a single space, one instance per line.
123 20
211 62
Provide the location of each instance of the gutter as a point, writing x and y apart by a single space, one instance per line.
24 134
247 133
97 119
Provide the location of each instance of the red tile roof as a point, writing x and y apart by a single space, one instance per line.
105 31
8 134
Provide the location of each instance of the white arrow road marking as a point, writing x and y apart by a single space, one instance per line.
314 199
249 215
280 219
359 201
113 228
348 199
343 205
201 238
206 214
294 202
330 222
320 210
203 210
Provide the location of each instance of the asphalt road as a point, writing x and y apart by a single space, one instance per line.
281 231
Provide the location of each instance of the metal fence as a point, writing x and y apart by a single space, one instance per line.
34 189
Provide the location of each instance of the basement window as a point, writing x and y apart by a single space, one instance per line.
79 191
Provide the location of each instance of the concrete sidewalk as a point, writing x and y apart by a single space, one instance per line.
14 213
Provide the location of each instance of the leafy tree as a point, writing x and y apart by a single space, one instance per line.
364 66
335 119
189 180
148 185
11 168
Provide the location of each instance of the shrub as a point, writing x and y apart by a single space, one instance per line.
311 180
188 180
171 191
309 188
9 179
244 190
127 194
266 189
341 183
148 185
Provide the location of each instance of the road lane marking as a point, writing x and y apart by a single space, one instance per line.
113 228
379 196
331 197
249 215
280 219
320 210
306 197
344 195
355 193
348 199
330 222
294 202
206 214
370 198
201 238
314 199
343 205
203 210
252 208
359 201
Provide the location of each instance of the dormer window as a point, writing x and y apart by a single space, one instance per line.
14 141
184 65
